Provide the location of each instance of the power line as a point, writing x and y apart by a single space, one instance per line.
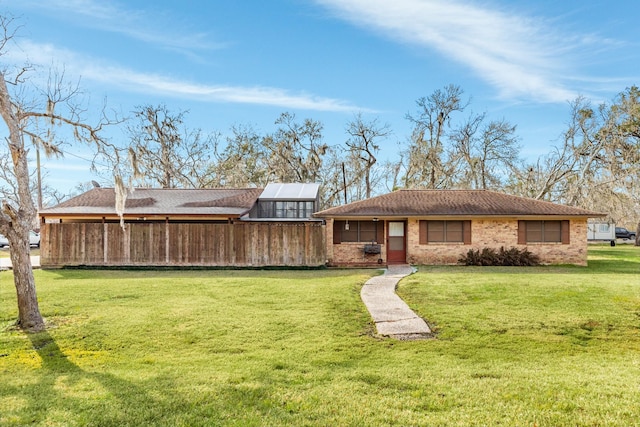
64 153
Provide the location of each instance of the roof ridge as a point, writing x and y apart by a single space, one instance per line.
445 189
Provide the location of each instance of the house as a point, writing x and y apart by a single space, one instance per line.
276 226
438 226
186 227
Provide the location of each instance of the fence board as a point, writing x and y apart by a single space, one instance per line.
250 244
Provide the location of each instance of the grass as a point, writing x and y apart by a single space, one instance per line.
4 252
545 346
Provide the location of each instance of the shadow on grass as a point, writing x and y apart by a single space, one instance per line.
119 274
66 394
604 266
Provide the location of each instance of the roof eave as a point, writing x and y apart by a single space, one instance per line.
127 216
461 216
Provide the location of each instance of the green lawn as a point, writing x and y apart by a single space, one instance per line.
545 346
4 252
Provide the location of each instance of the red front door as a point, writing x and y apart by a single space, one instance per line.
396 242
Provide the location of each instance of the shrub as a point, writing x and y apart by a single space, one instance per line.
502 257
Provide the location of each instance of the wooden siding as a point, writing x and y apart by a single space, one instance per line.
250 244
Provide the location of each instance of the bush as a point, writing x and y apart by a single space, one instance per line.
503 257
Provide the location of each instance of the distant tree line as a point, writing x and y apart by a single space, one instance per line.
596 164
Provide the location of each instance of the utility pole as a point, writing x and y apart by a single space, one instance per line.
39 180
344 183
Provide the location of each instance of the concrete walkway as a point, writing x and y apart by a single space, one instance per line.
5 263
391 315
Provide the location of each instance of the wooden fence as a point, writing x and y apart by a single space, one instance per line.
248 244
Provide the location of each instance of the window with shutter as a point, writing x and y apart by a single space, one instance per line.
357 231
543 232
444 232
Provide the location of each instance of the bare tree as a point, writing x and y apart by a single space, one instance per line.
243 161
336 180
426 163
557 175
487 155
597 165
363 147
621 128
296 151
465 151
166 153
32 123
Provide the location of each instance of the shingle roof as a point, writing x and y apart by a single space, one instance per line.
406 203
157 201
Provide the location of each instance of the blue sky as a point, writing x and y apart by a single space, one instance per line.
245 62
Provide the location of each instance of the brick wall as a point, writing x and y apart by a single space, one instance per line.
353 254
573 253
350 253
492 233
495 233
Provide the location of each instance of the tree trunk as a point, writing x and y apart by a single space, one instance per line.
18 221
29 317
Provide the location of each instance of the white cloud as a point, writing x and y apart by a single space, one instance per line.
143 25
257 95
521 57
93 70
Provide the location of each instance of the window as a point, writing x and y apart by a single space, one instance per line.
306 209
445 232
349 231
367 231
265 210
286 209
543 232
357 231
